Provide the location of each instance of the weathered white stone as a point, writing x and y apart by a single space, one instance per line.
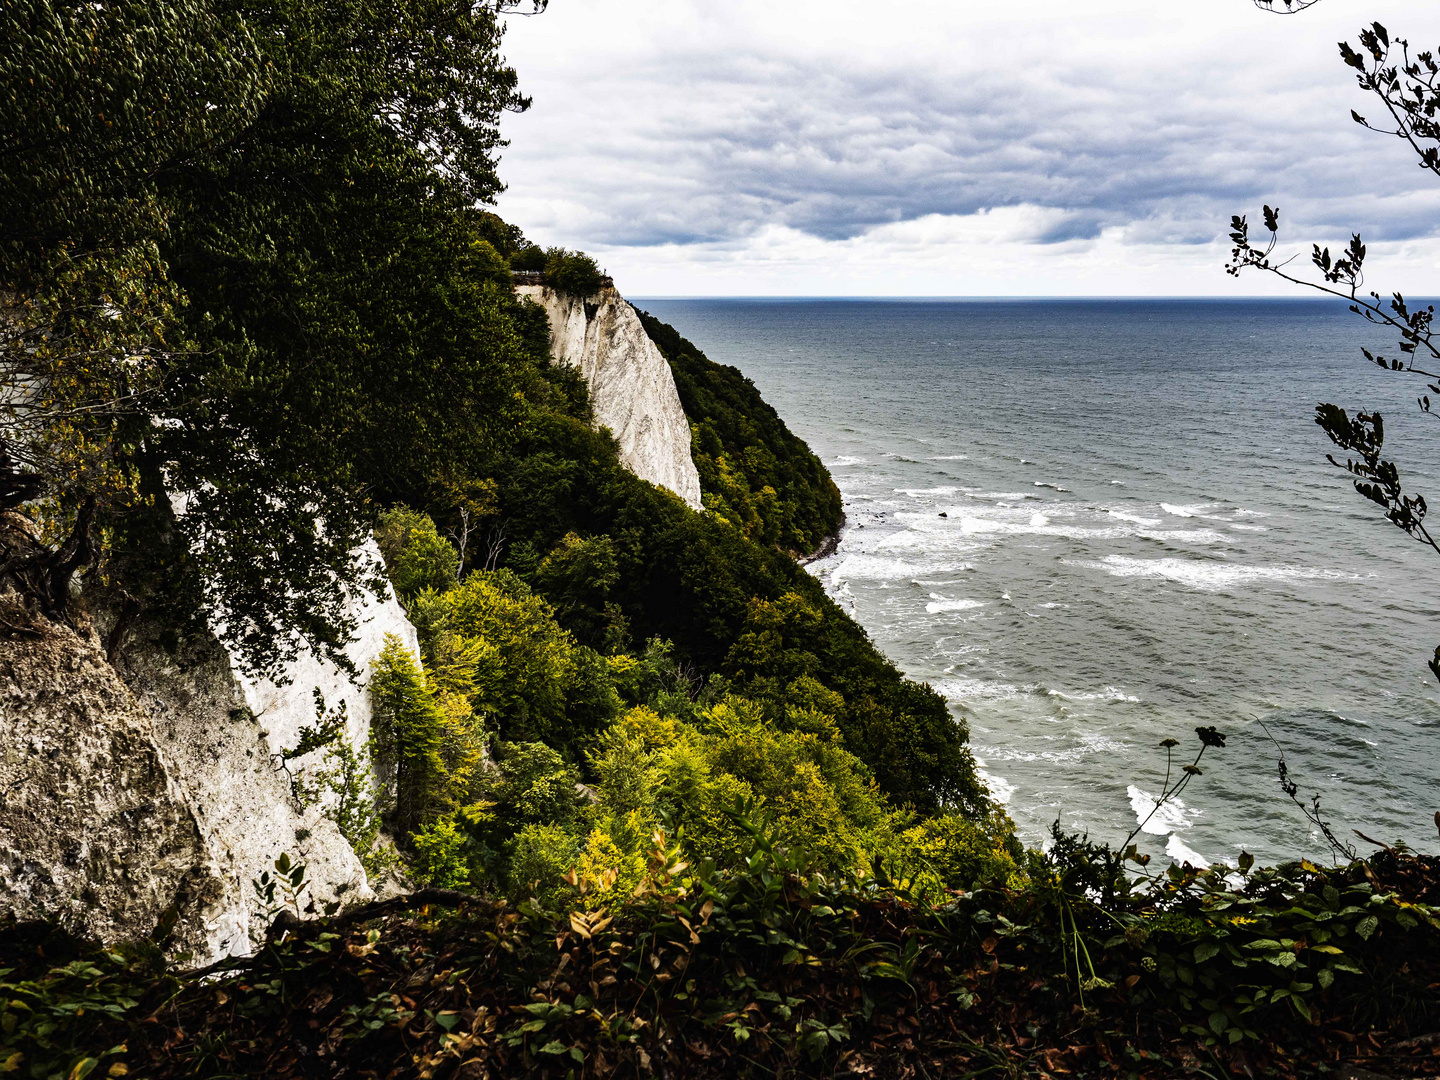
286 706
158 784
224 735
631 387
95 831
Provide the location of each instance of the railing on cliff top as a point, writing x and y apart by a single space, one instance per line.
535 277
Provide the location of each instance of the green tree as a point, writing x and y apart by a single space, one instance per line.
416 556
98 101
409 730
572 273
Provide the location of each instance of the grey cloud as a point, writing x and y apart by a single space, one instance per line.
714 150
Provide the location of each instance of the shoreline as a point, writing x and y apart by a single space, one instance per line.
827 546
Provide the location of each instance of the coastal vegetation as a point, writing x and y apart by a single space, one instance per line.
754 472
773 969
664 806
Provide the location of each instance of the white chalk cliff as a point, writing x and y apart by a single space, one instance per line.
631 387
223 734
158 784
155 789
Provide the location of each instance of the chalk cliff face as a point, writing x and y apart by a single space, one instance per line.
631 386
224 735
157 784
95 828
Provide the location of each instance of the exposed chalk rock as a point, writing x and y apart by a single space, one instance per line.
225 733
631 387
95 832
284 707
157 788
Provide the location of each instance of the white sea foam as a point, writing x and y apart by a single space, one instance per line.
1110 693
1184 536
1249 528
1000 789
1181 853
951 457
865 566
940 603
1056 487
963 689
1085 746
845 459
926 534
1134 519
915 493
1038 525
1210 576
1172 815
1192 510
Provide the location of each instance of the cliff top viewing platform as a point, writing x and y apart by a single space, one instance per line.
535 277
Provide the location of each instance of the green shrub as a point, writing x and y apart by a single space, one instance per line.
540 856
440 854
416 556
572 273
955 852
535 786
530 257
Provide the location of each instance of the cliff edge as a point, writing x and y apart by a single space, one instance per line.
631 386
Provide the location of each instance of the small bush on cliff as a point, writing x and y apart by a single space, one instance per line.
529 257
572 273
416 556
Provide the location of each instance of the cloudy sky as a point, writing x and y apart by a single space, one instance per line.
955 147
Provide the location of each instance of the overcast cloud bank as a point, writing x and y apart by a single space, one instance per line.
1070 148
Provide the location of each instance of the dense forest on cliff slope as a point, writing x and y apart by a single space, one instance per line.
313 327
754 471
685 815
265 285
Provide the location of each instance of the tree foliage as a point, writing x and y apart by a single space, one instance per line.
572 273
347 343
754 472
99 101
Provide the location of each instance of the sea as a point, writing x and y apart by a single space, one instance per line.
1097 524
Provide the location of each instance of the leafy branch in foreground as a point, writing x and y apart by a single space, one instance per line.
1408 86
1340 850
769 968
1363 435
